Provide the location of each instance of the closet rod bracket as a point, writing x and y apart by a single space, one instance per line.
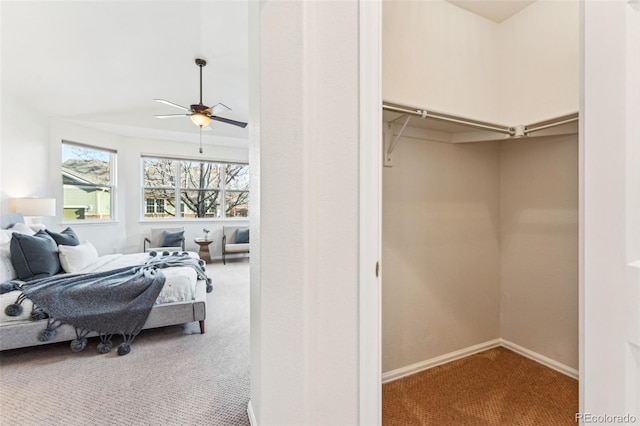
397 138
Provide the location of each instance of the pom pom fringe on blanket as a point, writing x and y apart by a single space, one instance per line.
116 302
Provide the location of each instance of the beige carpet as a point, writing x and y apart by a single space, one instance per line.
494 387
173 375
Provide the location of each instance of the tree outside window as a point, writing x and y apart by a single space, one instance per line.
204 189
237 191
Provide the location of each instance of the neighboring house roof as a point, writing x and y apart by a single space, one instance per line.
87 171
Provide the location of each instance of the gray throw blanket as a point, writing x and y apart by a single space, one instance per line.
111 302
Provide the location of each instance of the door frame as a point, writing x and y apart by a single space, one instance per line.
370 202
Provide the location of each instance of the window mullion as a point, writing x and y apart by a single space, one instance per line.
223 198
112 183
177 188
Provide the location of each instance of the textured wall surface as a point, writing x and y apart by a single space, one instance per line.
436 55
611 318
539 246
441 250
307 341
523 70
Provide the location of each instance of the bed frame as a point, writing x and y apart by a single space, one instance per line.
22 334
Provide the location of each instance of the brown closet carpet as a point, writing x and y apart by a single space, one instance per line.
494 387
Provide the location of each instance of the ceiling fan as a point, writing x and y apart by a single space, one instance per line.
200 114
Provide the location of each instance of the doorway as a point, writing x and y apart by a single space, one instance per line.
493 222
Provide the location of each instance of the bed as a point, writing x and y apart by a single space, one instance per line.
181 300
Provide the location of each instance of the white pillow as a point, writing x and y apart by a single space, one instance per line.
23 229
7 272
5 234
76 258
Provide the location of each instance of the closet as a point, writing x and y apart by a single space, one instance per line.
480 184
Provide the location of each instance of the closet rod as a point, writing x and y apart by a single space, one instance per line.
562 120
450 119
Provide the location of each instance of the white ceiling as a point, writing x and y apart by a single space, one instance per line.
102 63
495 10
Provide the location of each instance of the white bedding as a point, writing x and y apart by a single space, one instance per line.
179 286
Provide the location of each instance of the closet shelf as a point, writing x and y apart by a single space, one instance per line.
447 118
405 121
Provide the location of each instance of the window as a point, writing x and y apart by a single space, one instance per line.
203 189
88 181
236 198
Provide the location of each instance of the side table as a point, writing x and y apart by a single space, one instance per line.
204 249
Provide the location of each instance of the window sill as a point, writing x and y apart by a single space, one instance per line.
88 222
199 220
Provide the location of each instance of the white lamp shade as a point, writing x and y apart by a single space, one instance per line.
36 206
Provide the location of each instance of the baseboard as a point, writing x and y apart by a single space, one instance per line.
399 373
541 359
252 416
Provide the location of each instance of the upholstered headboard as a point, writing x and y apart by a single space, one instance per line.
10 219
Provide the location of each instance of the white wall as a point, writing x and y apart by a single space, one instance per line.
126 233
439 56
610 321
539 246
440 250
523 70
306 348
24 153
480 241
527 71
539 63
277 315
632 361
255 215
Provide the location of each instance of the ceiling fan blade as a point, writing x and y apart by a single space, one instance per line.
172 115
218 108
228 121
164 101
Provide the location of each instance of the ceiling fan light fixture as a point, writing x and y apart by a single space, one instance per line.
200 114
200 119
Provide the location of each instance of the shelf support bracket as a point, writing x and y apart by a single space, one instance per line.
398 136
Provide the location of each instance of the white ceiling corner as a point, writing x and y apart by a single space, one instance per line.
495 10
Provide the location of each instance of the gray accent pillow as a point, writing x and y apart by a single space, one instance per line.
68 237
34 256
242 236
172 239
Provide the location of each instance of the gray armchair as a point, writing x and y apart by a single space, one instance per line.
161 239
235 239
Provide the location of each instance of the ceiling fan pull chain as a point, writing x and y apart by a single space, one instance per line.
200 137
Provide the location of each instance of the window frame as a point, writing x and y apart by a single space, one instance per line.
112 185
177 188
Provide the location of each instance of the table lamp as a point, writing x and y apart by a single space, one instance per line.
35 209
